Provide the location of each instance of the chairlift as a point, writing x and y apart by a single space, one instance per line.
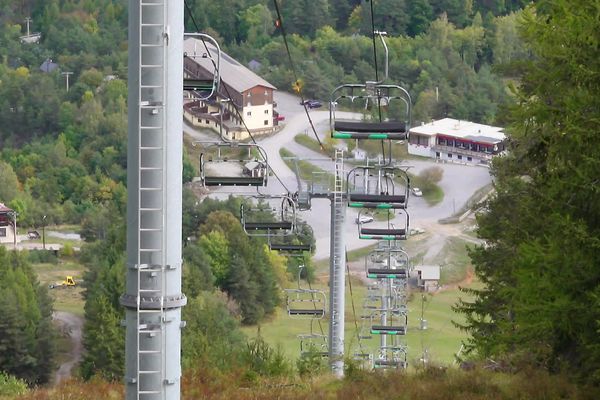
374 187
201 63
387 233
290 247
233 164
369 95
257 219
390 262
313 344
302 302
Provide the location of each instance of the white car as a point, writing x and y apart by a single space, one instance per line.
417 192
364 219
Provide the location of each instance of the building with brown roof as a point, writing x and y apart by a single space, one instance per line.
240 89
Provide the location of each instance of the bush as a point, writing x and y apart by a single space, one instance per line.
311 363
67 250
430 176
11 386
261 359
42 257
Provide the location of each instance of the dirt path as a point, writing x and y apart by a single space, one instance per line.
71 325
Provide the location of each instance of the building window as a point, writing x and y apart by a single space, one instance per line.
266 122
2 232
207 121
437 154
200 120
266 111
459 157
469 159
249 113
249 94
449 155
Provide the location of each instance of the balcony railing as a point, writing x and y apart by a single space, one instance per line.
462 151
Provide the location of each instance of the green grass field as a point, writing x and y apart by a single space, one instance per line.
441 340
66 298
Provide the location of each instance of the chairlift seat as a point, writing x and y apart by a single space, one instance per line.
234 181
388 330
290 247
389 363
369 130
198 84
386 273
268 226
322 354
357 200
307 312
382 234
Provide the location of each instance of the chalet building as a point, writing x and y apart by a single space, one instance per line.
428 277
8 224
248 92
457 141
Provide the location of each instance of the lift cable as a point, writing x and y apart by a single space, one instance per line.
310 288
376 71
292 66
239 115
352 301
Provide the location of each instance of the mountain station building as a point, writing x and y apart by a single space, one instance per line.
453 140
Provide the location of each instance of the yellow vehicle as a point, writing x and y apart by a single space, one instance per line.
68 282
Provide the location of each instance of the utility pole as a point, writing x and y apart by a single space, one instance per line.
44 232
153 298
66 75
27 21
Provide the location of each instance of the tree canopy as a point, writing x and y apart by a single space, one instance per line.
541 263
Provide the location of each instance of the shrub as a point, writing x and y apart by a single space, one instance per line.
11 386
42 256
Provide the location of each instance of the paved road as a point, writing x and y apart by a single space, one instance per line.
459 182
72 325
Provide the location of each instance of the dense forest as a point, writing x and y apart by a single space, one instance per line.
63 155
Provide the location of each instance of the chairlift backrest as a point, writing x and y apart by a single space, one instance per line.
257 219
202 62
375 187
233 164
370 97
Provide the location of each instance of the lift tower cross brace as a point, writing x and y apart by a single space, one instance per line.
153 297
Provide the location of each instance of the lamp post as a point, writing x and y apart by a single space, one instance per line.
44 232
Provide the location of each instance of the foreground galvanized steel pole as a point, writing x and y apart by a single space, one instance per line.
337 270
153 297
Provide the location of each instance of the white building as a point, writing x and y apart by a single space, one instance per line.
7 225
249 93
456 141
428 277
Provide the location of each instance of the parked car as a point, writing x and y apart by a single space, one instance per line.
33 235
311 103
364 219
417 192
280 117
